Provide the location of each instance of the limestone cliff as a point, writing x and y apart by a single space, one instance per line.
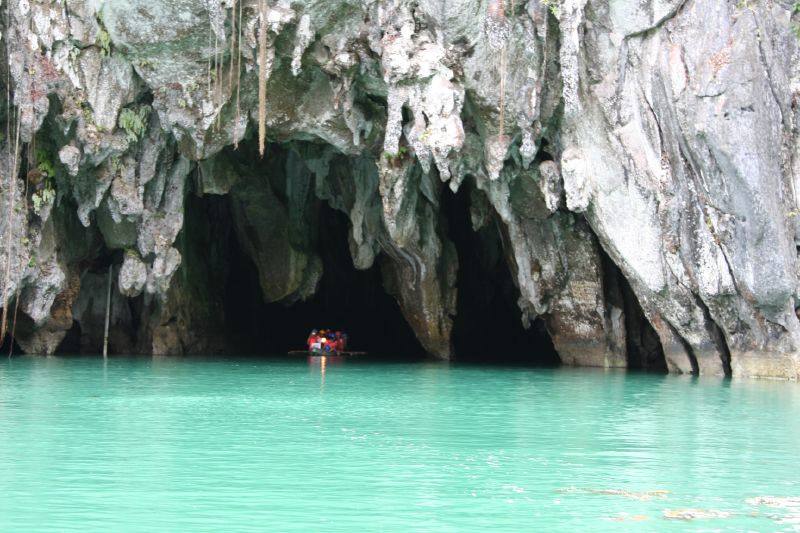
638 157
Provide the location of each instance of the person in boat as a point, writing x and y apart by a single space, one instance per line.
324 342
315 342
337 342
328 341
312 338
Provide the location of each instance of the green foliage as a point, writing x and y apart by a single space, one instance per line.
103 41
401 151
47 169
44 163
116 164
41 198
552 5
796 27
134 122
88 114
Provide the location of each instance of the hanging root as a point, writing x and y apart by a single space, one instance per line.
16 302
262 78
233 47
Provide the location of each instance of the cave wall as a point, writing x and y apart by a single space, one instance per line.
658 135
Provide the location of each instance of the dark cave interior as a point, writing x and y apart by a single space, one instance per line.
487 326
347 300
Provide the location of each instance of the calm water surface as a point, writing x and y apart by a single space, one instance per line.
177 444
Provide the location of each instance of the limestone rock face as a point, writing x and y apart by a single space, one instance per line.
638 159
678 135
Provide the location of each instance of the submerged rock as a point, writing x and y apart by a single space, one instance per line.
638 164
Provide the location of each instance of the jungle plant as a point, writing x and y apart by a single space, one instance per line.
43 197
394 160
45 173
134 122
44 164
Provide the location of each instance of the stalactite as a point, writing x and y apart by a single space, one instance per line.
262 78
238 76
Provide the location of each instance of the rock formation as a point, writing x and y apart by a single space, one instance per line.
636 157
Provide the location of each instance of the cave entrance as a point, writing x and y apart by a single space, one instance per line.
642 345
488 327
347 299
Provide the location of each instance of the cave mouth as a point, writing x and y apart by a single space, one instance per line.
347 299
488 326
642 346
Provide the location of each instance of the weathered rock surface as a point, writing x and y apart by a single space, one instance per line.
654 140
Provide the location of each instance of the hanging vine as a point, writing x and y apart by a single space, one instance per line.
233 47
31 148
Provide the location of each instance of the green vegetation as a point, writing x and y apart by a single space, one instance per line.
43 197
44 163
44 173
115 164
796 27
552 5
393 159
134 122
103 41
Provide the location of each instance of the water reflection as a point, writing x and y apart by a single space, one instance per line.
321 362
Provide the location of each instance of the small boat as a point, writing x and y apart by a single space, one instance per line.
334 354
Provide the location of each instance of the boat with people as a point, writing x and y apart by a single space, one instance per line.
326 342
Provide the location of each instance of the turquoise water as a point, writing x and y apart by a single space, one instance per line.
279 445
